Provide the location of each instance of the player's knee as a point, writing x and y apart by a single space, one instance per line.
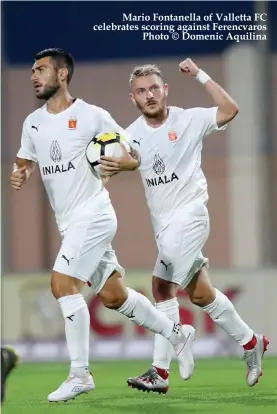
163 289
114 292
63 285
113 301
114 304
200 290
202 299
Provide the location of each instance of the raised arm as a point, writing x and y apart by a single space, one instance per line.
227 107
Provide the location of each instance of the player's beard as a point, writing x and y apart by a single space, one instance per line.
48 92
153 114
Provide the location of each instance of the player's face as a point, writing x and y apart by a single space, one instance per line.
45 78
149 94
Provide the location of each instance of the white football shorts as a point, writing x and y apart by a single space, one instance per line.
86 252
179 246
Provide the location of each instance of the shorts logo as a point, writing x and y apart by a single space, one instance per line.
55 152
165 265
66 259
158 165
172 136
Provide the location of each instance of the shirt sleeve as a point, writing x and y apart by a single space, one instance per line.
27 150
128 132
205 120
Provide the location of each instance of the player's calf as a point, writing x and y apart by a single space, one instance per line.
135 306
139 310
223 313
66 289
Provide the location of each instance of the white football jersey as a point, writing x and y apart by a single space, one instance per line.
57 142
171 162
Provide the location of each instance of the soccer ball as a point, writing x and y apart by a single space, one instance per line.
105 144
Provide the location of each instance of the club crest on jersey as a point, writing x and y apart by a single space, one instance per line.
172 136
72 122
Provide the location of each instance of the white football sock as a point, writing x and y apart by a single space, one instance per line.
162 347
223 313
140 310
77 326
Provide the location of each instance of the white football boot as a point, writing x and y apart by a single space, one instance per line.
71 388
184 353
253 359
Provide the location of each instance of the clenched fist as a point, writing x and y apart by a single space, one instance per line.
18 177
189 67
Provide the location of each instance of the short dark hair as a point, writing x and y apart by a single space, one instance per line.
61 59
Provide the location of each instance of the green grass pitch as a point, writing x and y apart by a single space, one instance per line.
217 386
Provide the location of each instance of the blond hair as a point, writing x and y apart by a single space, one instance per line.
144 70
